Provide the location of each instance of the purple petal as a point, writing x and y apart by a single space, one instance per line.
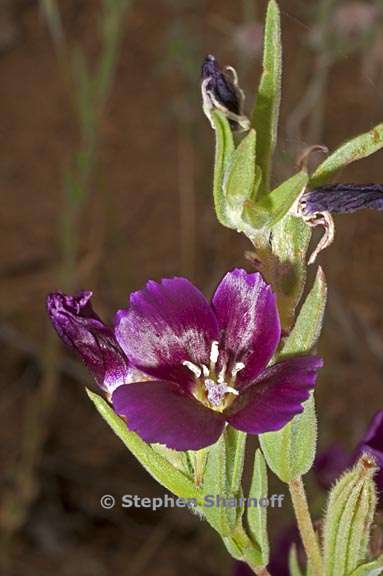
161 412
247 314
342 198
80 328
220 84
276 396
167 323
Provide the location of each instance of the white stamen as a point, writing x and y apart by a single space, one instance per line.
221 375
193 368
238 366
214 353
232 390
205 371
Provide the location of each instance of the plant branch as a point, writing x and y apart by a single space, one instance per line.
305 525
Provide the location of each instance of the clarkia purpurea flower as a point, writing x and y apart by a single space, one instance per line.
202 364
221 91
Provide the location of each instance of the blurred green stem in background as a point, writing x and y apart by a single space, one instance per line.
91 91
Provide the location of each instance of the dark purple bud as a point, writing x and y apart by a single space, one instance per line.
342 198
221 85
80 328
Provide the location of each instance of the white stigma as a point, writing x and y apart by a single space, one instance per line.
238 366
196 370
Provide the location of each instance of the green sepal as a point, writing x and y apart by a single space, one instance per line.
239 177
216 483
235 444
290 452
290 242
350 510
266 112
294 567
158 466
374 568
355 149
257 515
224 149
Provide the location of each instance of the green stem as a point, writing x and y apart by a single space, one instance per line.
305 525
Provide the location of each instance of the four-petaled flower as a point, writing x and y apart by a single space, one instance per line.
178 368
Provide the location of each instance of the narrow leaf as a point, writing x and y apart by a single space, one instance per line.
224 149
356 149
216 485
240 174
154 463
266 112
257 515
235 456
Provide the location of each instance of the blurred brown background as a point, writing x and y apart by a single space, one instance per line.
109 198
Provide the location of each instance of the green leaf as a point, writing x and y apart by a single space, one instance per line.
270 209
307 328
257 515
235 456
224 149
216 484
266 112
356 149
374 568
154 463
293 562
290 452
350 509
240 174
290 241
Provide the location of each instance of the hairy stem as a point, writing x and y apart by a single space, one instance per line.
305 525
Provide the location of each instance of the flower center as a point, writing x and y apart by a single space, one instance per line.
216 390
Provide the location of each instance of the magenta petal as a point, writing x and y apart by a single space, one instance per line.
80 328
276 396
247 314
160 412
167 323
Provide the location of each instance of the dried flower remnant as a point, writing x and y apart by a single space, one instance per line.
221 91
203 364
316 206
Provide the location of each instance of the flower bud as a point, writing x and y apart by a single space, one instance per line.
349 517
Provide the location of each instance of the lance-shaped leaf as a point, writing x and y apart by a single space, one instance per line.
350 510
224 148
152 461
266 112
257 515
356 149
216 484
374 568
290 452
240 174
271 209
235 441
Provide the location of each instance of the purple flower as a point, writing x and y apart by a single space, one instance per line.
208 362
80 328
342 198
220 91
204 364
